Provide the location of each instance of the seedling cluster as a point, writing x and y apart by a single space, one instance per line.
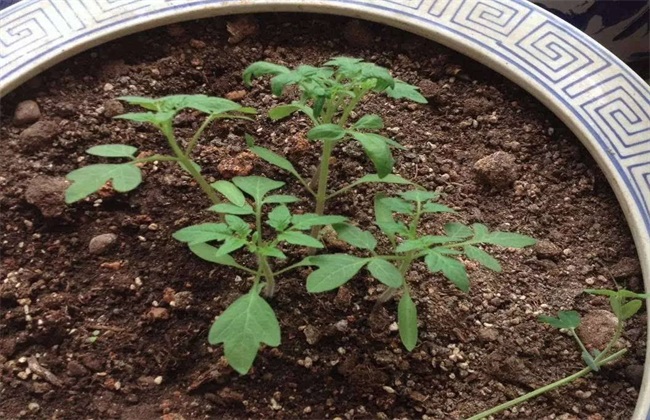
252 217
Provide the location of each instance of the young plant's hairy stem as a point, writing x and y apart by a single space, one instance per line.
262 261
547 388
323 173
195 138
187 164
612 342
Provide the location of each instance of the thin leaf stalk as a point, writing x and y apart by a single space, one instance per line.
321 194
547 388
187 164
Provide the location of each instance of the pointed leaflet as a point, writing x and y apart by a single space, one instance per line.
369 122
256 186
436 208
384 217
246 324
452 269
423 242
419 195
260 68
355 236
629 309
297 238
385 272
457 231
407 321
388 179
333 271
482 257
113 150
326 132
204 232
511 240
89 179
229 245
279 218
274 159
230 191
565 319
282 111
227 208
280 199
209 253
406 91
238 225
307 220
377 150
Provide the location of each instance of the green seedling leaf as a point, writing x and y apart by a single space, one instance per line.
482 257
238 225
419 195
457 231
384 217
156 118
89 179
230 191
510 240
204 232
565 319
261 68
629 309
355 236
334 270
451 268
147 103
229 245
279 82
377 150
589 361
406 91
397 205
617 305
280 199
279 218
209 253
307 220
480 231
385 272
436 208
228 208
407 321
374 178
298 238
212 105
343 61
326 132
271 251
622 293
274 159
369 122
113 150
256 186
282 111
246 324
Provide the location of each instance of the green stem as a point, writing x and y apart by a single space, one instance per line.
186 163
262 262
582 346
195 138
546 388
324 169
612 342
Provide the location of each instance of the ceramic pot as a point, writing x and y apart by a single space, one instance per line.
598 97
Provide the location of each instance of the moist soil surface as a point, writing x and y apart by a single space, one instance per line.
121 332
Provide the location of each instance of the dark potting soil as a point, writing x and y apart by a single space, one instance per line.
102 323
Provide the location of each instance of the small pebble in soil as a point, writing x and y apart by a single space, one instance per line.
39 135
27 112
358 34
596 328
488 334
241 28
33 407
47 194
236 95
497 170
546 249
312 335
634 374
102 243
112 108
429 89
158 313
158 380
